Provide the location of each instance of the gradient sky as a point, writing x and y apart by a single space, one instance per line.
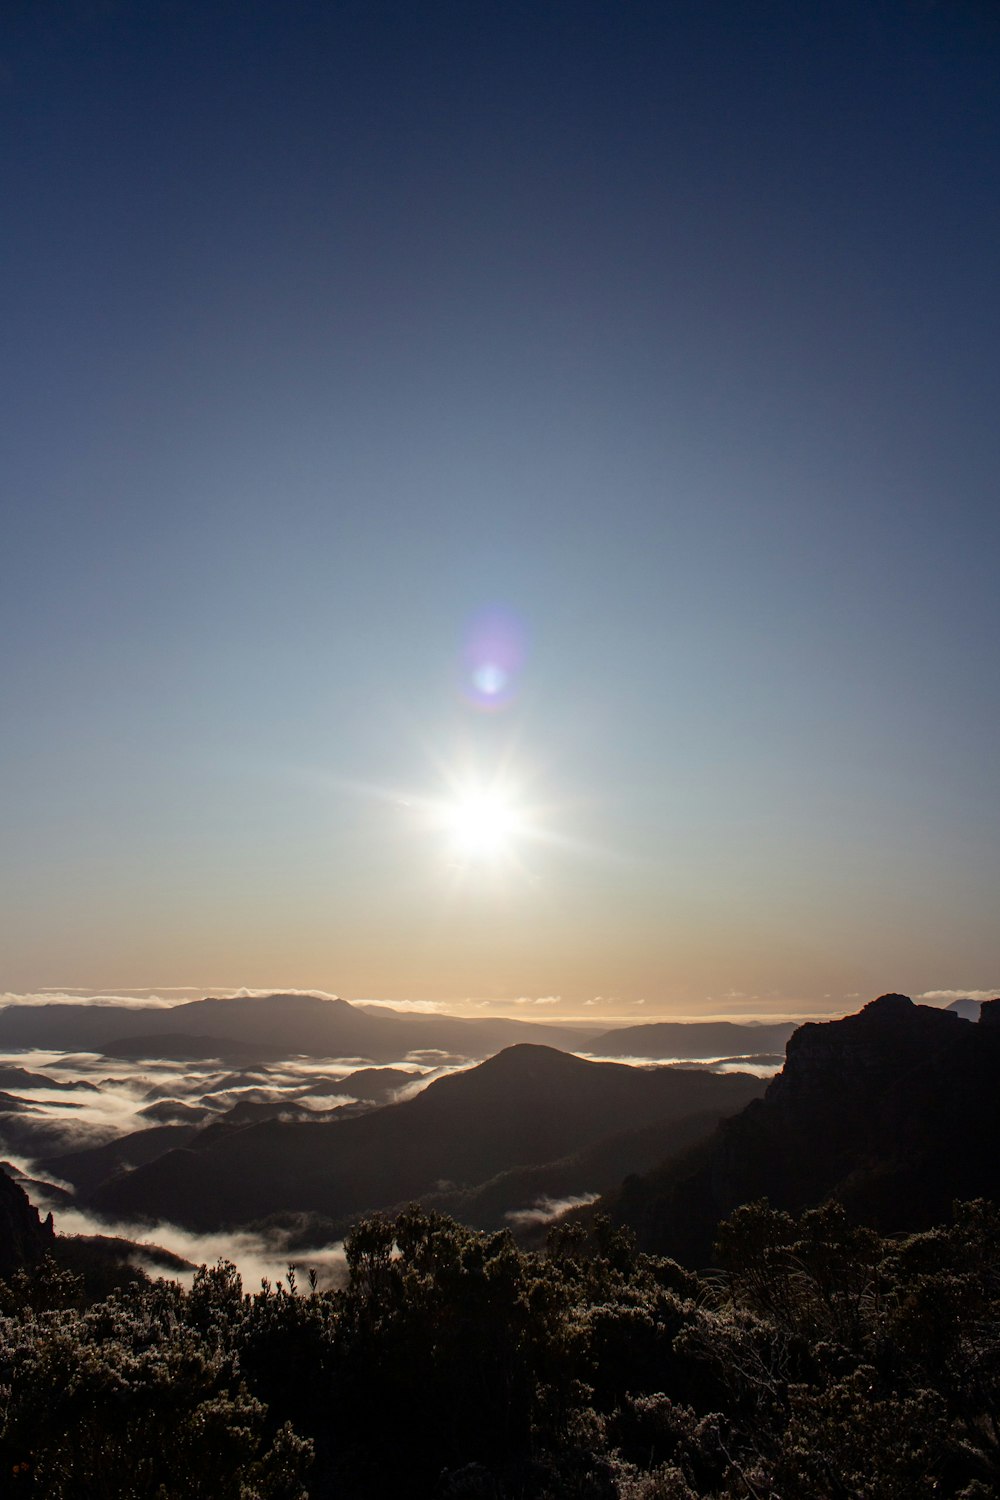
666 332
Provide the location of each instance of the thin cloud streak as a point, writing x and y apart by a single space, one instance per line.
945 996
161 997
545 1210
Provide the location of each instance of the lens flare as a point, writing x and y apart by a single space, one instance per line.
492 658
490 679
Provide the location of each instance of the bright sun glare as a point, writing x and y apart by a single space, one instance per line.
483 823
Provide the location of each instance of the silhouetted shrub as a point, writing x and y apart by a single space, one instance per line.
822 1360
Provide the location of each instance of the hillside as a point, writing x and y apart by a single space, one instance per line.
527 1105
894 1112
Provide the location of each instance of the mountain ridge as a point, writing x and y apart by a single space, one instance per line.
533 1105
693 1039
306 1024
891 1111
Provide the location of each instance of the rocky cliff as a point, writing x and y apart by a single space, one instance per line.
24 1238
894 1111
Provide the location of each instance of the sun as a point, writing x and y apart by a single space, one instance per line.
483 824
482 819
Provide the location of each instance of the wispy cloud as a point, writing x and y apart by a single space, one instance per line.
544 1210
420 1081
86 997
162 996
419 1007
244 994
947 995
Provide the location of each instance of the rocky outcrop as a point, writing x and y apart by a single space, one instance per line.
989 1014
894 1112
24 1237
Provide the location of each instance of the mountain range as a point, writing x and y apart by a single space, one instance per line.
893 1112
526 1106
244 1027
693 1039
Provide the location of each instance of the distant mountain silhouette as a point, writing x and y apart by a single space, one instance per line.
19 1078
364 1083
285 1024
526 1105
13 1104
250 1111
894 1111
967 1009
175 1112
113 1251
184 1047
692 1039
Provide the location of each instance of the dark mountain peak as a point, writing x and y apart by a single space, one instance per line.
884 1040
527 1105
526 1069
889 1019
531 1057
989 1014
888 1005
893 1110
288 1002
366 1083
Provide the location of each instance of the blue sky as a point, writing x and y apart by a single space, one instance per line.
669 331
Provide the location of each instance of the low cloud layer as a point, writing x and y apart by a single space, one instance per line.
130 1001
113 1095
58 1103
161 996
946 996
410 1007
256 1256
545 1210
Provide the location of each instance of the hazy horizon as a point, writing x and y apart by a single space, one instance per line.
546 1009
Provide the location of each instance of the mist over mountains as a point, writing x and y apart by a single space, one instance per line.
236 1113
525 1106
281 1025
805 1312
214 1113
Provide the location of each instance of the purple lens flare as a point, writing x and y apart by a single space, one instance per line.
492 658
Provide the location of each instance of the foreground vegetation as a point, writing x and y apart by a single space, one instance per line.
821 1360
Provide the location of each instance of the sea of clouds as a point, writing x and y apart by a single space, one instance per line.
83 1100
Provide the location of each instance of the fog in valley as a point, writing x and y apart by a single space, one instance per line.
72 1119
